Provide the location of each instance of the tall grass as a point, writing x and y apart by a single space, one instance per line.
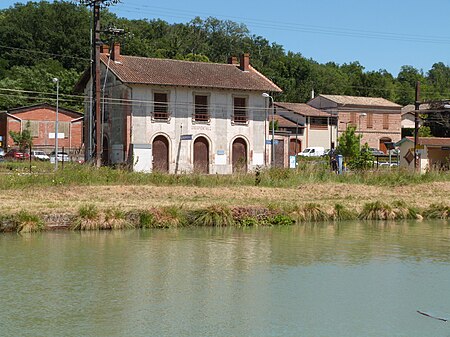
16 175
216 216
21 222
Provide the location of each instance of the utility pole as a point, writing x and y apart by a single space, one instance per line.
95 120
96 82
416 126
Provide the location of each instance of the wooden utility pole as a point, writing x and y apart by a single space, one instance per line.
416 126
95 133
96 84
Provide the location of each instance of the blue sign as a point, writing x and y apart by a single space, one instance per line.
186 137
269 141
220 152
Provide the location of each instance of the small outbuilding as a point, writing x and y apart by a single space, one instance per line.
40 120
433 152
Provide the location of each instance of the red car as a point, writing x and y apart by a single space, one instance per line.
16 154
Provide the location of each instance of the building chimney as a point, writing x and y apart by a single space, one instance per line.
245 62
104 49
115 55
233 60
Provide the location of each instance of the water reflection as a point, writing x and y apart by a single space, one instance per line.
366 279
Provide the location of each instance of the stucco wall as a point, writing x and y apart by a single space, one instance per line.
220 131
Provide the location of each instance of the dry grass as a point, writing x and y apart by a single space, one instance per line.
62 199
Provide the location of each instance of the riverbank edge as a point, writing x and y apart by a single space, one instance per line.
90 217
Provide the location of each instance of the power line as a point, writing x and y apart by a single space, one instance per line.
287 26
44 53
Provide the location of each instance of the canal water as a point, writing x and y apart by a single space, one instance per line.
352 279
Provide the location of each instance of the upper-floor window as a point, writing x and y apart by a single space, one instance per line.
32 127
160 106
369 120
353 119
201 110
319 122
240 110
386 121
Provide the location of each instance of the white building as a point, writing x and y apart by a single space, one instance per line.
179 116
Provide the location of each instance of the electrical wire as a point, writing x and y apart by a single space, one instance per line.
289 26
45 53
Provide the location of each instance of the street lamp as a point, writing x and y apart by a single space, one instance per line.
55 80
359 127
266 95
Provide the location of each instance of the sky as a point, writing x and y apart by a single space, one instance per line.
380 34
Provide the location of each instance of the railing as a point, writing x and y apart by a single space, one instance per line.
202 117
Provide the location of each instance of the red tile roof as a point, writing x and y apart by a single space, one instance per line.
284 122
143 70
302 109
432 141
361 101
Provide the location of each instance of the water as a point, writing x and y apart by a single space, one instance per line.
348 280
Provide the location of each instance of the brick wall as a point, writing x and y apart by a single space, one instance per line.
43 123
382 126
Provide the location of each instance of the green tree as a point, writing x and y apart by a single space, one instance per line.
349 143
22 139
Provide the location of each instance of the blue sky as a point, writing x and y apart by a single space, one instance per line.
381 34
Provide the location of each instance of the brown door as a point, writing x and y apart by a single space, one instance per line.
160 154
295 146
201 155
105 152
382 145
239 155
279 153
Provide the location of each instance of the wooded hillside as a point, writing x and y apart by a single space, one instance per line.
42 40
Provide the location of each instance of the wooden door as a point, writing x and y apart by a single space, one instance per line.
105 151
201 155
382 145
295 146
279 153
239 155
160 149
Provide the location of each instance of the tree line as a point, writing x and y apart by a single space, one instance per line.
42 40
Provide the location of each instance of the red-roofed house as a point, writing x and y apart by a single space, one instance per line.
319 127
40 119
181 116
433 152
376 119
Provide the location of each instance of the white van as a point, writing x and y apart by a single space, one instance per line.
313 151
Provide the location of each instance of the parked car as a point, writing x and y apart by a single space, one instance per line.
40 155
376 152
316 151
17 155
62 156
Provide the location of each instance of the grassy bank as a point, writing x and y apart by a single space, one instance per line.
89 217
116 198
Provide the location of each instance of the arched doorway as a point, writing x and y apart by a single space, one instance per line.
239 155
105 151
160 149
201 155
382 145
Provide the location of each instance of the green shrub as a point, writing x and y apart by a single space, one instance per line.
281 220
